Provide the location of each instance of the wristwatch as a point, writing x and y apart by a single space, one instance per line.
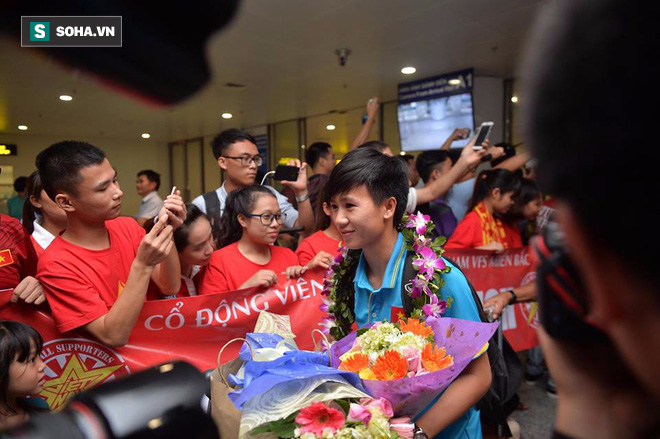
303 198
418 433
514 297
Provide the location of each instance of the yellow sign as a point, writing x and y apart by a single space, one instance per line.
6 149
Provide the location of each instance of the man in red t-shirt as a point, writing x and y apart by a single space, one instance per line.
18 262
96 273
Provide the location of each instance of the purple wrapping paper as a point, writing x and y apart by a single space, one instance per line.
463 339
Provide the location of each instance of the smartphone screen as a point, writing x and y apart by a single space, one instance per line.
483 135
287 173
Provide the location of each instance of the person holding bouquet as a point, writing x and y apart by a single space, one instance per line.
368 193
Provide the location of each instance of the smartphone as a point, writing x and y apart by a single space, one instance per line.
483 133
286 173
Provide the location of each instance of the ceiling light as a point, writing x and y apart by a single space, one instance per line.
408 70
454 82
146 135
66 98
514 99
22 127
330 127
403 153
227 115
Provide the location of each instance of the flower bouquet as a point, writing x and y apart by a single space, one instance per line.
365 418
412 361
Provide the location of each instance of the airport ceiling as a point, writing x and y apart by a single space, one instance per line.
283 52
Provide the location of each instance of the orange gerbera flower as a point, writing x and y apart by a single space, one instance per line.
435 358
416 326
355 363
390 366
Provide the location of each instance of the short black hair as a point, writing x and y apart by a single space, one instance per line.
152 176
227 138
20 183
427 161
315 151
59 165
377 145
588 78
383 176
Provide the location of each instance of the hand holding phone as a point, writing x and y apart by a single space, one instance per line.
286 173
483 133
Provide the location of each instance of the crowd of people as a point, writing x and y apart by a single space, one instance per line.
95 268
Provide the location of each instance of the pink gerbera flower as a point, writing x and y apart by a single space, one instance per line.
317 417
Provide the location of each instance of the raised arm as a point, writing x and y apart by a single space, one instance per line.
372 111
458 134
514 163
466 163
299 187
115 327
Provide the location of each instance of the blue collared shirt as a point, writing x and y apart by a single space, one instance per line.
376 305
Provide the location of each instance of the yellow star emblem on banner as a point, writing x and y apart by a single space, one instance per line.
120 288
74 378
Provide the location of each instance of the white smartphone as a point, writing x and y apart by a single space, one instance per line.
483 133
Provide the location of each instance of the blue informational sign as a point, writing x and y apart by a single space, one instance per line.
436 87
262 147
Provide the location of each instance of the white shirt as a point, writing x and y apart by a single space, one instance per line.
285 206
411 205
41 235
459 196
150 206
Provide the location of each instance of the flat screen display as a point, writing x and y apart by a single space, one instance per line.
425 125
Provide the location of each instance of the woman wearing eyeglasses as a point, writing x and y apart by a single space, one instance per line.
250 224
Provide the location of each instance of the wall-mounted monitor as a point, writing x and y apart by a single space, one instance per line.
425 125
431 109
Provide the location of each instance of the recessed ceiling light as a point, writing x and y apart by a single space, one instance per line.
146 135
514 99
66 98
454 82
408 70
330 127
227 115
22 127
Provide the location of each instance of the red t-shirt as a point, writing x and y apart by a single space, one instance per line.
37 248
17 256
229 269
314 244
81 284
470 234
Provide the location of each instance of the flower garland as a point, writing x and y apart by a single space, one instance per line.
424 289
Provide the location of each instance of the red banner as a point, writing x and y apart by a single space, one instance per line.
193 329
492 274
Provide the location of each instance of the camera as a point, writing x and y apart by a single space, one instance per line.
161 402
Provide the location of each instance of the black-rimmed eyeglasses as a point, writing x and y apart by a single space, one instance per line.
267 218
246 160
